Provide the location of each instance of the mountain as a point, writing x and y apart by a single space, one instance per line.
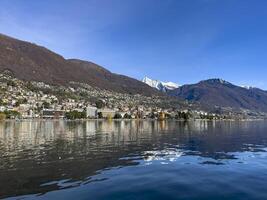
159 85
217 92
30 62
247 87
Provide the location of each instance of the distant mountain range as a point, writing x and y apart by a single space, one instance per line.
220 93
159 85
31 62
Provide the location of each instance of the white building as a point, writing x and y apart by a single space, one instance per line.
91 112
2 108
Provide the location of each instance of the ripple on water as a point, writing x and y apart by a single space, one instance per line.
133 160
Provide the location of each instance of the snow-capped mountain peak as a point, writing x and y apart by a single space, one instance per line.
162 86
152 83
247 87
170 85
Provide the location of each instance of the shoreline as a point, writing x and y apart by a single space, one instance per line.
110 120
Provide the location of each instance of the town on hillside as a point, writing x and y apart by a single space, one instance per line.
27 100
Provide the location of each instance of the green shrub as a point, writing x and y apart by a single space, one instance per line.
2 116
117 116
75 115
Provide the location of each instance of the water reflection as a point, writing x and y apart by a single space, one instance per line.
41 156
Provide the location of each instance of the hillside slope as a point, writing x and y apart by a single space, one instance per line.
31 62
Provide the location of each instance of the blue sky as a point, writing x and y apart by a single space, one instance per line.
183 41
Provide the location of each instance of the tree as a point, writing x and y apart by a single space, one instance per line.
10 114
31 87
100 115
117 116
75 115
127 116
183 115
46 105
21 101
186 116
11 83
153 115
2 116
168 116
100 104
2 103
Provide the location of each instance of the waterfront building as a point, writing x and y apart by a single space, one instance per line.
91 112
52 114
107 113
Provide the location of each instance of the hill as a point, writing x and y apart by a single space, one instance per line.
30 62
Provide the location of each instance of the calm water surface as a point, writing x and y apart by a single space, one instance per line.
133 160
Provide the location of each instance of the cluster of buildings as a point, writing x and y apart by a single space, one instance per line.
39 100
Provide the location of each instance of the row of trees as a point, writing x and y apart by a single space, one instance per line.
179 116
116 116
9 115
75 115
82 115
119 116
183 116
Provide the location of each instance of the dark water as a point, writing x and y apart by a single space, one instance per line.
133 160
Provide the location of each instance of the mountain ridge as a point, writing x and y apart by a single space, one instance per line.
219 93
30 62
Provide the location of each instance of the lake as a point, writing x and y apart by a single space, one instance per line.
133 160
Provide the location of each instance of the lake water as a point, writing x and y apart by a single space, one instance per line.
133 160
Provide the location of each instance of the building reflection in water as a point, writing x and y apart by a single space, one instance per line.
39 152
14 135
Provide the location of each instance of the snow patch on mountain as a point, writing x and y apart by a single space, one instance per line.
170 85
247 87
160 85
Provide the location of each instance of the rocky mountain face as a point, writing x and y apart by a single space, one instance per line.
31 62
217 92
160 85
